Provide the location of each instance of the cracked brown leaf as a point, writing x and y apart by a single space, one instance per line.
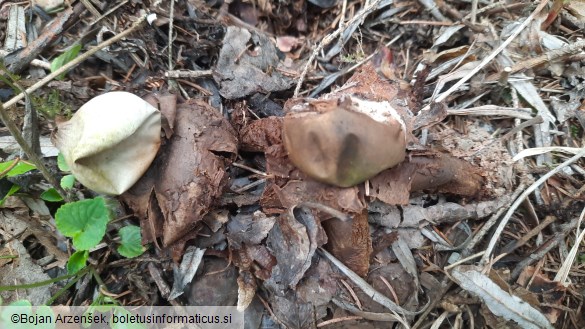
188 174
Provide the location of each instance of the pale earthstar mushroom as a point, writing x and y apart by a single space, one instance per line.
110 142
346 143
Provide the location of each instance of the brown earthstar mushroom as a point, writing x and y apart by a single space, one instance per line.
344 141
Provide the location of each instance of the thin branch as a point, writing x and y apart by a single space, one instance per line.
361 15
63 69
170 46
187 74
366 287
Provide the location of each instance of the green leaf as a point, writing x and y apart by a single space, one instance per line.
20 168
61 163
77 261
67 181
130 241
65 58
12 190
85 221
51 195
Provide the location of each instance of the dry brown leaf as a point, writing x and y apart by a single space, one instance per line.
259 135
188 175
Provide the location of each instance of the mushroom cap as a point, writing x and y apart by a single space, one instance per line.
345 145
110 142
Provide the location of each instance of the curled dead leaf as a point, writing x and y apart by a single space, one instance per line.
346 143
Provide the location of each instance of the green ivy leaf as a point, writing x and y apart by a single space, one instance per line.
77 261
51 195
19 169
130 241
61 163
85 221
65 58
67 181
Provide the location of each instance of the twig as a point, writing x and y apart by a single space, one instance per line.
35 62
431 6
563 272
171 18
337 320
474 11
16 62
75 62
326 209
366 315
484 9
464 260
548 57
491 222
509 248
420 22
490 57
256 171
521 113
366 287
32 156
521 198
361 15
516 130
342 15
10 167
187 74
519 141
108 12
544 248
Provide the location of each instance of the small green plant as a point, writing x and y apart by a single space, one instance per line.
67 182
85 222
130 241
50 105
13 168
65 58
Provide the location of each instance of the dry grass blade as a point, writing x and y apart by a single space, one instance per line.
568 263
516 204
366 287
491 56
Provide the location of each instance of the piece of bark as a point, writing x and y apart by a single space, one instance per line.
350 242
433 171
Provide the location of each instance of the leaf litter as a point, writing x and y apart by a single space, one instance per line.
300 241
